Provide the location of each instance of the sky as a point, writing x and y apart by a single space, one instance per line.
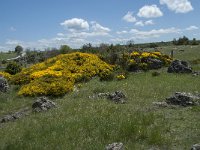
41 24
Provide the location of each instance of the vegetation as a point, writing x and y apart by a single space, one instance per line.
82 123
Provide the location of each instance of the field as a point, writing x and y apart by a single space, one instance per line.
80 123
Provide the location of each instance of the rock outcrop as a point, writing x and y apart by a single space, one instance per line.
42 104
3 85
178 66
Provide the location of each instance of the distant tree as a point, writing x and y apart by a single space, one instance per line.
64 49
130 43
174 41
194 42
18 49
153 45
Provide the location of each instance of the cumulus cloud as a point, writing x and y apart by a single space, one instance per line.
179 6
190 28
122 32
139 23
99 28
144 23
129 17
75 24
60 34
149 22
150 11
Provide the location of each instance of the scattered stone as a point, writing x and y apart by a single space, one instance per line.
178 66
43 104
154 63
3 85
183 99
161 104
196 147
117 97
195 73
17 115
115 146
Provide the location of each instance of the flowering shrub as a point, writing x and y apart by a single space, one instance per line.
147 60
57 75
120 77
5 75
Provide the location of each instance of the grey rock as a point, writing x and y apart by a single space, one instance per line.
195 73
196 147
3 85
42 104
183 99
117 97
17 115
154 63
115 146
178 66
161 104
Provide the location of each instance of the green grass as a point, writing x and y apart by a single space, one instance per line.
80 123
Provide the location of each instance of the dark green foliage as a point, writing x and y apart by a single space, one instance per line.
64 49
13 68
155 73
18 49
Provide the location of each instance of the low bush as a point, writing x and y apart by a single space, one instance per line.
13 68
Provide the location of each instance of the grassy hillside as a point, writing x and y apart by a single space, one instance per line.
80 123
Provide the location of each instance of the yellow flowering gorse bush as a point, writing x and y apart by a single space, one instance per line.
143 60
57 75
5 75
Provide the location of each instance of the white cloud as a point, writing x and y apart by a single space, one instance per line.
99 28
129 17
190 28
121 32
179 6
13 42
149 22
139 23
144 23
75 24
150 11
60 34
153 33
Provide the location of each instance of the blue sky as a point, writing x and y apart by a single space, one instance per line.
50 23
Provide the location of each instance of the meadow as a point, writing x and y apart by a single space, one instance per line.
80 123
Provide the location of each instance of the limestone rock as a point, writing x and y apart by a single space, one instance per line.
17 115
178 66
115 146
196 147
183 99
3 85
43 104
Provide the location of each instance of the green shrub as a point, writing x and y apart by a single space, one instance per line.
13 68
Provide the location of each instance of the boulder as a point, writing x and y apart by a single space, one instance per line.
117 97
115 146
42 104
178 66
16 115
196 147
183 99
3 85
154 63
